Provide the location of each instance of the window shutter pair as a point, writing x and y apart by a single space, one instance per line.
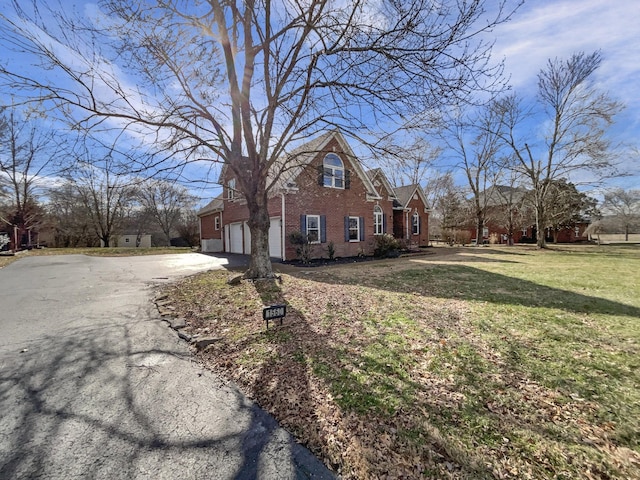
323 227
346 228
347 177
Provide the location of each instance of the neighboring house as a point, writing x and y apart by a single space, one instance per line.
327 196
130 241
508 206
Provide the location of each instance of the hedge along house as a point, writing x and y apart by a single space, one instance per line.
325 195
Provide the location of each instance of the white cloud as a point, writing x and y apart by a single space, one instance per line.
549 29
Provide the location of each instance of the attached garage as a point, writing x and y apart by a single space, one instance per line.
247 239
234 237
275 238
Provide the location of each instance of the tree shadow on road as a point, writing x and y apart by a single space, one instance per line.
106 402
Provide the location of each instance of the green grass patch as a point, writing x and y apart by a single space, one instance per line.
468 363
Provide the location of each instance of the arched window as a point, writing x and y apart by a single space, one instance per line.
415 223
333 169
378 220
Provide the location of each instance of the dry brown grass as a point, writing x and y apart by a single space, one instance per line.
471 363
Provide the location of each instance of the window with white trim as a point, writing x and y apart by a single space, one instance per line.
216 222
354 229
231 189
333 171
415 223
313 228
378 220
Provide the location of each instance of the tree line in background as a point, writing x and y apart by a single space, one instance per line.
53 195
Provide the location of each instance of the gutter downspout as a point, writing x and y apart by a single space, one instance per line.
406 223
282 224
222 235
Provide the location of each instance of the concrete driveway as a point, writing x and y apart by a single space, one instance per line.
94 385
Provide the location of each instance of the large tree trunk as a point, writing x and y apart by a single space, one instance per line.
479 230
541 241
260 263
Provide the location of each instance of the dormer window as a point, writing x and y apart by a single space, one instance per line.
231 189
333 171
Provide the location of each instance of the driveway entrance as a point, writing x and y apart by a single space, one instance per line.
94 385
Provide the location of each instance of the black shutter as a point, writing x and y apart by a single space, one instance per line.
362 229
384 223
346 229
323 229
303 224
347 179
321 175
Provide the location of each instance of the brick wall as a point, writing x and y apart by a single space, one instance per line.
207 226
416 205
335 204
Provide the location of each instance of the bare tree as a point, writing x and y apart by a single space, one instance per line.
409 161
69 218
188 227
512 207
475 146
624 206
165 201
451 210
241 82
106 195
27 152
578 115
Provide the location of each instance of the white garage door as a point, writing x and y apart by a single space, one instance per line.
275 239
235 238
247 239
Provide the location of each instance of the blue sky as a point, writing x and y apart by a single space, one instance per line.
543 29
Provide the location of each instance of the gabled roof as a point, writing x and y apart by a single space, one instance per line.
292 164
405 193
215 205
298 159
377 174
501 194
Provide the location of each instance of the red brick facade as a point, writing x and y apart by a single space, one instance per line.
342 215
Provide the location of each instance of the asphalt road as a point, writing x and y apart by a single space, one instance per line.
94 385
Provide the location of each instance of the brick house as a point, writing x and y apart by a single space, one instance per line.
502 201
327 196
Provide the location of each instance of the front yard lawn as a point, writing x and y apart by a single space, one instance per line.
467 363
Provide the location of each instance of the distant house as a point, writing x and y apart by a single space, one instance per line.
130 241
510 215
327 196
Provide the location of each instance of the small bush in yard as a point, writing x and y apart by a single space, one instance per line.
386 246
331 250
303 246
